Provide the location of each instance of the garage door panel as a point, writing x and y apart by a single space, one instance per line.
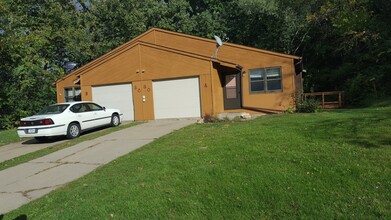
115 96
179 98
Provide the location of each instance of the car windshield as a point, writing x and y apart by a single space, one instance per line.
53 109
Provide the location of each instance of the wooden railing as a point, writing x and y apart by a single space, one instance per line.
329 99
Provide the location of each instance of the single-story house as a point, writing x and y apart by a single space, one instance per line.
163 74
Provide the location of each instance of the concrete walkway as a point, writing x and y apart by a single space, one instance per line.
26 182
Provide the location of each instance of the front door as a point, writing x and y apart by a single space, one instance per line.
232 91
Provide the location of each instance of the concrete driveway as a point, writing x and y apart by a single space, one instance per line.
26 182
13 150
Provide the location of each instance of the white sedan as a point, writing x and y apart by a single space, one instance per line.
68 119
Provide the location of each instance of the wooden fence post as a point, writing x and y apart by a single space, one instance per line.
340 99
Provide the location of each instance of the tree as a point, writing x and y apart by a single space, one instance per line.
34 43
345 44
346 48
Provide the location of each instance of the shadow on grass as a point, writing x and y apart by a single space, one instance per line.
367 128
20 217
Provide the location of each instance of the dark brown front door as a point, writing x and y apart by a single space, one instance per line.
232 91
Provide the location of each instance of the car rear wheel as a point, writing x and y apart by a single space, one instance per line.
73 131
115 120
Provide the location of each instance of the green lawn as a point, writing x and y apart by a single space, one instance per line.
329 165
9 136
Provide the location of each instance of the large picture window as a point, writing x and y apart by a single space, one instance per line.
72 94
265 80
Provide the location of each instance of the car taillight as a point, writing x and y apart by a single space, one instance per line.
48 121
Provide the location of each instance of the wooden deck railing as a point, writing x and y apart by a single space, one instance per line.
329 99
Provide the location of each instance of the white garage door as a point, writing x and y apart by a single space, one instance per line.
115 96
179 98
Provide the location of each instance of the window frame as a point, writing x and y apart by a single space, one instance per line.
74 88
265 80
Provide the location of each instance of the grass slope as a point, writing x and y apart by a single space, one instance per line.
9 136
333 164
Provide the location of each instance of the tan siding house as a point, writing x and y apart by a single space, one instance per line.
164 74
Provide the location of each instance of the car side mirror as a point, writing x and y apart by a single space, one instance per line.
104 108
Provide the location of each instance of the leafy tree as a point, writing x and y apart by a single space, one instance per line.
34 44
345 44
346 48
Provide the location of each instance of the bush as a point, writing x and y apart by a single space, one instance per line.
309 105
217 119
211 119
358 88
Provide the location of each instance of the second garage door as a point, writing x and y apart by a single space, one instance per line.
115 96
179 98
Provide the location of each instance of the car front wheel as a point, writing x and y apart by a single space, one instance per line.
73 131
115 120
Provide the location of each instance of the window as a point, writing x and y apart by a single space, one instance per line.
94 107
230 87
53 109
80 108
265 80
72 94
